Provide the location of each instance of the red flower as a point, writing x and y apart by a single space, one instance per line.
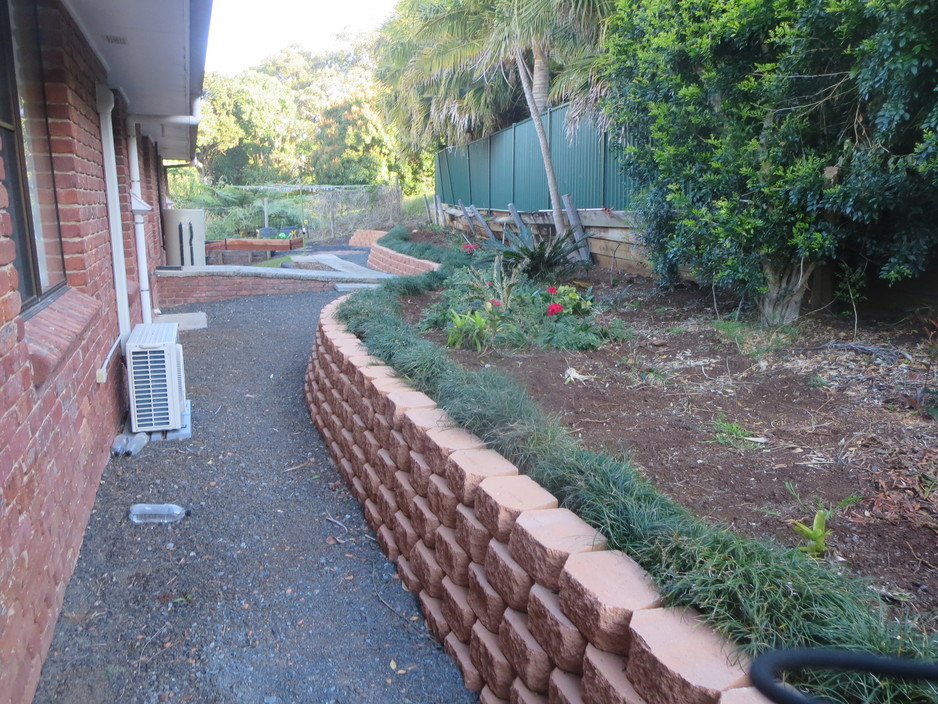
469 248
495 302
551 289
488 283
554 308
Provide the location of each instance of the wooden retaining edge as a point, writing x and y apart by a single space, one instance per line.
524 595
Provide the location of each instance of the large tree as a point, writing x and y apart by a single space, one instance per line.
455 67
773 136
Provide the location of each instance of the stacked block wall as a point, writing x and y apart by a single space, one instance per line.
56 421
365 238
391 262
523 595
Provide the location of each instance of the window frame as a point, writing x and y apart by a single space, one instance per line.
16 178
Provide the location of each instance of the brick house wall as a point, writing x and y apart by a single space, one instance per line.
56 421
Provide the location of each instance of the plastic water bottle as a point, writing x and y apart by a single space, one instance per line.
156 513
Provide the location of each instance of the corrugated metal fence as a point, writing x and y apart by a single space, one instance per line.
507 168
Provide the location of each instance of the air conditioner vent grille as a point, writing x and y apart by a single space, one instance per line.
157 378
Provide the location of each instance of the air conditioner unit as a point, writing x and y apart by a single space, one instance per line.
157 377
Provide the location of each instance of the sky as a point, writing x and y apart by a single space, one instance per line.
243 32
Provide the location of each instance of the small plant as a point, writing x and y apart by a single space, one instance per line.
817 382
817 533
731 433
755 341
469 330
538 258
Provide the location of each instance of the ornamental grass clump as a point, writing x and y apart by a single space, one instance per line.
756 593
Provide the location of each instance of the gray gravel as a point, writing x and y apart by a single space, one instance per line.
256 596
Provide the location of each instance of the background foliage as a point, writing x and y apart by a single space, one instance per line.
776 135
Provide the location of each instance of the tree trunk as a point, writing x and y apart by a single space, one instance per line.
786 284
540 81
556 206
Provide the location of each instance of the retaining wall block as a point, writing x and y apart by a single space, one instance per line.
459 615
508 578
452 558
366 410
399 402
487 696
372 516
378 393
409 578
381 427
542 541
388 543
554 631
358 428
404 534
420 473
472 536
564 688
675 659
599 592
417 421
460 652
529 660
403 492
358 490
346 470
387 503
745 695
491 662
520 694
440 443
385 465
485 601
365 377
442 500
605 680
465 470
399 450
371 446
428 570
432 609
500 500
371 480
424 520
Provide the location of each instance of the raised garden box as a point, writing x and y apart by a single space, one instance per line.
243 244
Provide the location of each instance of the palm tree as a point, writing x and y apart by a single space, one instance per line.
483 44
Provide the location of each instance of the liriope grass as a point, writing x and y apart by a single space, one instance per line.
758 594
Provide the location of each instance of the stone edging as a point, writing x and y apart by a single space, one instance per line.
524 595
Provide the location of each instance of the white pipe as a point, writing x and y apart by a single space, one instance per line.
101 373
105 100
140 241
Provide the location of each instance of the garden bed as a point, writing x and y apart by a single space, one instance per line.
750 429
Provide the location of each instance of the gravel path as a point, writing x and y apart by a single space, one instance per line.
272 590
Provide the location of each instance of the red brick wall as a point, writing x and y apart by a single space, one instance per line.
56 421
179 290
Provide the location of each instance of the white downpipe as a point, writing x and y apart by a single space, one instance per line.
191 120
140 241
105 100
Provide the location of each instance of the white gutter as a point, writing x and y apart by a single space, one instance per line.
105 100
192 120
139 208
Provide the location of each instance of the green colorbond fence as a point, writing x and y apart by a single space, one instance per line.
507 168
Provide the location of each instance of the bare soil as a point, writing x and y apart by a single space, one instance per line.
828 414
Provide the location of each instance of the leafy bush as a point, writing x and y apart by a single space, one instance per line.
537 258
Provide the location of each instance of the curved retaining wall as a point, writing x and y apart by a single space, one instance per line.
387 260
524 595
366 238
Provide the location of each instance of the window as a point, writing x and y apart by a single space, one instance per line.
27 156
